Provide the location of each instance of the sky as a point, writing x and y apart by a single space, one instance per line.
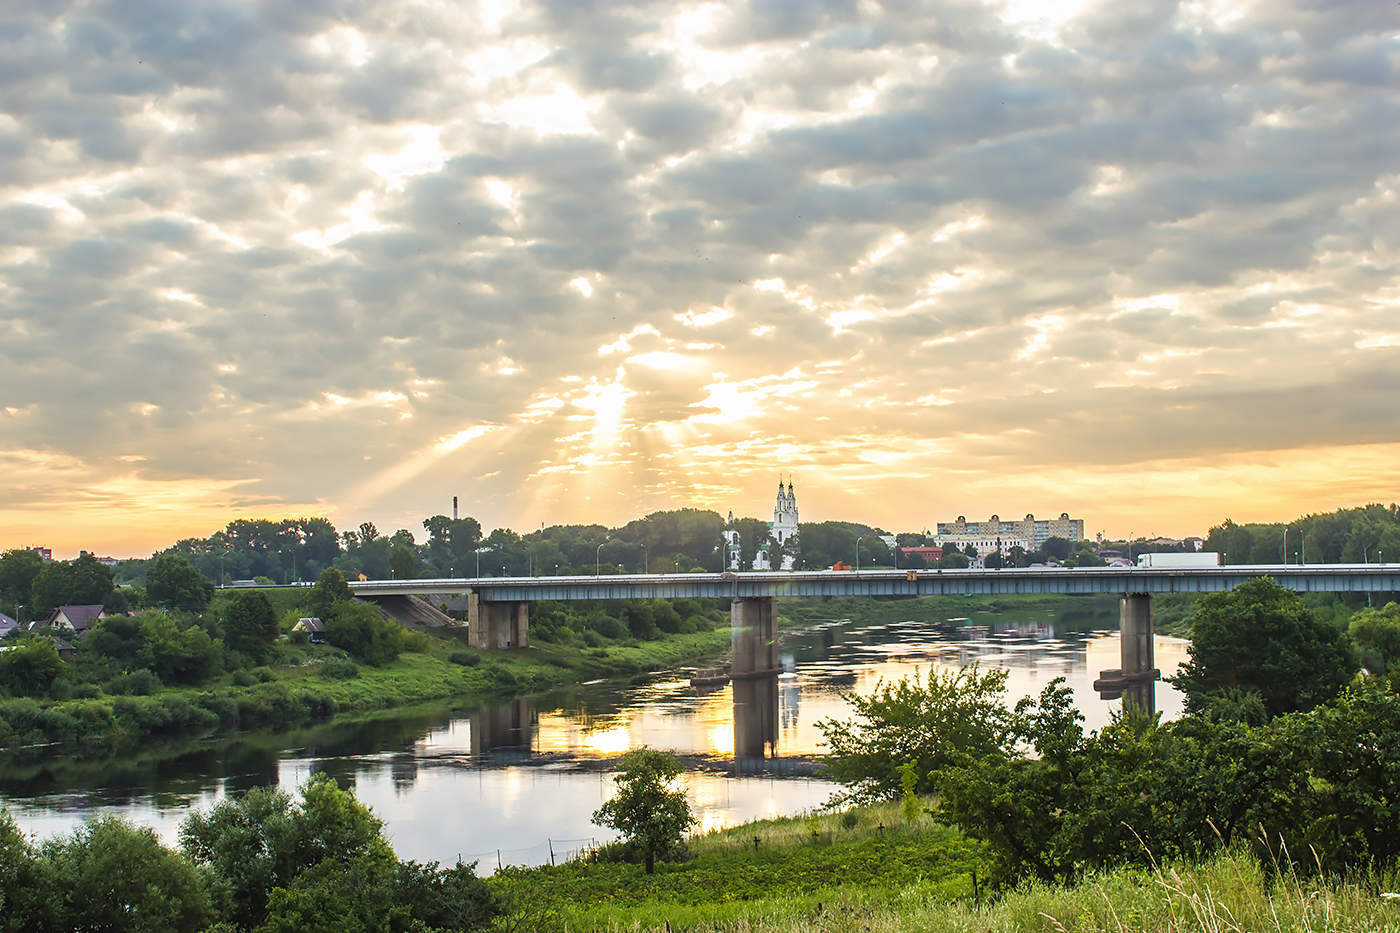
571 261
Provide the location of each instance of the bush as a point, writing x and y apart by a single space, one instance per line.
243 679
264 675
137 683
465 658
339 669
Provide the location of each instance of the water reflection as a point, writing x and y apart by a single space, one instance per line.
524 777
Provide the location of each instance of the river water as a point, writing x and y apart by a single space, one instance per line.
516 784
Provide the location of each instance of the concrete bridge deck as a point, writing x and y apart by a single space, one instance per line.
1307 578
498 607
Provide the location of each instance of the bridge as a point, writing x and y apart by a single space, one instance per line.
498 607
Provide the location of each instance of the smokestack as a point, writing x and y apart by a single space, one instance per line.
454 508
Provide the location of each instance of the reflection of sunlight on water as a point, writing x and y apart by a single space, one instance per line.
437 809
608 741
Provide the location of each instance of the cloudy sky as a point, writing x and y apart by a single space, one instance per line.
574 261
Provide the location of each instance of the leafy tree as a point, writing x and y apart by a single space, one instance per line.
18 569
250 625
651 817
111 876
30 668
1057 548
174 583
364 632
22 882
176 655
92 582
53 587
248 843
951 718
1262 638
1377 635
330 589
402 564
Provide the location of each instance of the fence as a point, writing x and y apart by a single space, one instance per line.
550 852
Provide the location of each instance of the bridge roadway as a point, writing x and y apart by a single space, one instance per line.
498 613
1307 578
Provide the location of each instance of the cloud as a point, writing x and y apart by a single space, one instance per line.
277 252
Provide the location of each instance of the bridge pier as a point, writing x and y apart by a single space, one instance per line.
754 637
1136 680
497 624
755 719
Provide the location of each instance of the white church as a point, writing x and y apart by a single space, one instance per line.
782 529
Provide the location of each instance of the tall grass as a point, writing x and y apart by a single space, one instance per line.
1229 893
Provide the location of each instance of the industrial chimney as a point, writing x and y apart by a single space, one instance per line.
454 508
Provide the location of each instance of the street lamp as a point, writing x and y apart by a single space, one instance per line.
644 558
556 570
1285 544
858 540
598 557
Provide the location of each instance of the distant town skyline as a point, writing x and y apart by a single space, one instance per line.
1135 261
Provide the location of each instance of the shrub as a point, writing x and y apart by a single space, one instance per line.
137 683
264 674
465 658
243 679
339 669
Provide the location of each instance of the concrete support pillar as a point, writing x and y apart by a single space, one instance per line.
497 624
754 636
755 718
1136 680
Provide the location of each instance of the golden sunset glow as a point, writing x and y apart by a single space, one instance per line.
576 266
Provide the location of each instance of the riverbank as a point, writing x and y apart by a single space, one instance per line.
867 870
322 685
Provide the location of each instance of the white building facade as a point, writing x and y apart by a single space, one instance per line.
782 530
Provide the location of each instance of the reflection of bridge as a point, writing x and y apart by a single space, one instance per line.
498 616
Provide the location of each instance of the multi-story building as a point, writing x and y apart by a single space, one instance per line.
1029 533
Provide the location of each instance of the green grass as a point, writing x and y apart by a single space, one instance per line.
825 874
734 875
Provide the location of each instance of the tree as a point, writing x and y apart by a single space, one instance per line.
1261 637
21 880
651 817
30 668
18 569
364 632
951 718
1057 548
111 876
174 583
53 587
402 564
330 589
176 655
250 625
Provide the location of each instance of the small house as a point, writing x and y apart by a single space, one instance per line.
314 628
7 625
75 620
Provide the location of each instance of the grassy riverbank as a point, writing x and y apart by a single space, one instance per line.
867 871
322 683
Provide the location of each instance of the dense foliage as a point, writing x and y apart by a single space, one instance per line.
261 862
1260 639
1351 536
950 718
1280 747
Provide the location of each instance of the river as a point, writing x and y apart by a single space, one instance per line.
516 784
